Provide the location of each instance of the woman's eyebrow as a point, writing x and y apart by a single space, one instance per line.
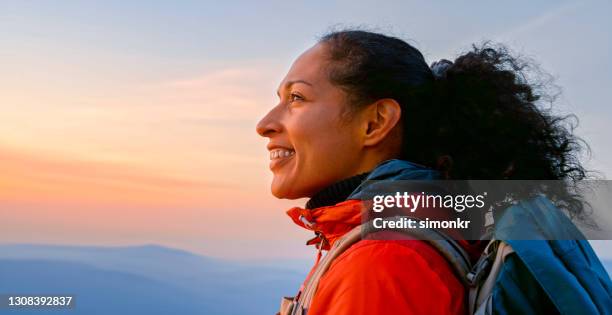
290 83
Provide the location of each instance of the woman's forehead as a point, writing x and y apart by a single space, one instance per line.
307 68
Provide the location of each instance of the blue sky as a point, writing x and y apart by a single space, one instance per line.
119 100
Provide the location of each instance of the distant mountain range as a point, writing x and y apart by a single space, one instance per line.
147 279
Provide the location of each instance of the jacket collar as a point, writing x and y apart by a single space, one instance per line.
335 193
394 170
331 222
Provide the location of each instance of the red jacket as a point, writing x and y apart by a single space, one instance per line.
379 276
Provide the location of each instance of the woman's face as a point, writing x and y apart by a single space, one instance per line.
311 145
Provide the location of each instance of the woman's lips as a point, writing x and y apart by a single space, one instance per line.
280 156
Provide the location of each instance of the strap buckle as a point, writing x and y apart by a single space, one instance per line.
482 266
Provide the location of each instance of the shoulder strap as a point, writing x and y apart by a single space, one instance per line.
484 275
446 246
340 245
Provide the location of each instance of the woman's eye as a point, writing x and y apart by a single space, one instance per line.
295 97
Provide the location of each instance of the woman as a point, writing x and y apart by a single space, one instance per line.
360 105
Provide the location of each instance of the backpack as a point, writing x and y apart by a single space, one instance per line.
512 276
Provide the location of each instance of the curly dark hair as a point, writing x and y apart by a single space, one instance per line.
482 118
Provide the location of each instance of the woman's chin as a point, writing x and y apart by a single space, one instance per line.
281 193
282 190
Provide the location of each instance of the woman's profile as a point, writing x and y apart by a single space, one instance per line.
362 106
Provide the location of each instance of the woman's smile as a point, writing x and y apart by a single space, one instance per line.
279 156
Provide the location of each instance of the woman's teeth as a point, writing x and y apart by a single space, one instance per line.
280 153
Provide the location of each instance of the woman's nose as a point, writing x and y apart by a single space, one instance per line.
269 124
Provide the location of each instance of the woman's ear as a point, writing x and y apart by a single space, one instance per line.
380 118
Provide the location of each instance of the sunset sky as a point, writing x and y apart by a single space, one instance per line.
133 122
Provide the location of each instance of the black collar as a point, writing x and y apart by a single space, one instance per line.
336 192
